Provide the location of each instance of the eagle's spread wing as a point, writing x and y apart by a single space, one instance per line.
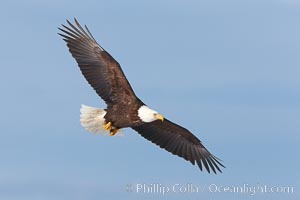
179 141
99 68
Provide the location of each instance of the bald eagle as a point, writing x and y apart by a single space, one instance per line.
124 108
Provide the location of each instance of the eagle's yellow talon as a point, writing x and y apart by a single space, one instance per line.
107 126
113 132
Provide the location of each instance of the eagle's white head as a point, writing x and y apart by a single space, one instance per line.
147 115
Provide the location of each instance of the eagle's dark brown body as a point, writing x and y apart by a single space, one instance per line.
126 112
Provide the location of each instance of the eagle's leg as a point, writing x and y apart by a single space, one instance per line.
107 126
113 131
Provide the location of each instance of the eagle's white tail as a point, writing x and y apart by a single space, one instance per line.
92 119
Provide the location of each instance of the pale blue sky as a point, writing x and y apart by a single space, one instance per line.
228 71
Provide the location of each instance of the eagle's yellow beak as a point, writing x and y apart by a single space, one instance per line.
160 117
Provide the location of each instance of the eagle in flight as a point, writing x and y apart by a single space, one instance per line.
124 108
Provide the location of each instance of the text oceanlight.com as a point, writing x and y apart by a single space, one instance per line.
248 189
